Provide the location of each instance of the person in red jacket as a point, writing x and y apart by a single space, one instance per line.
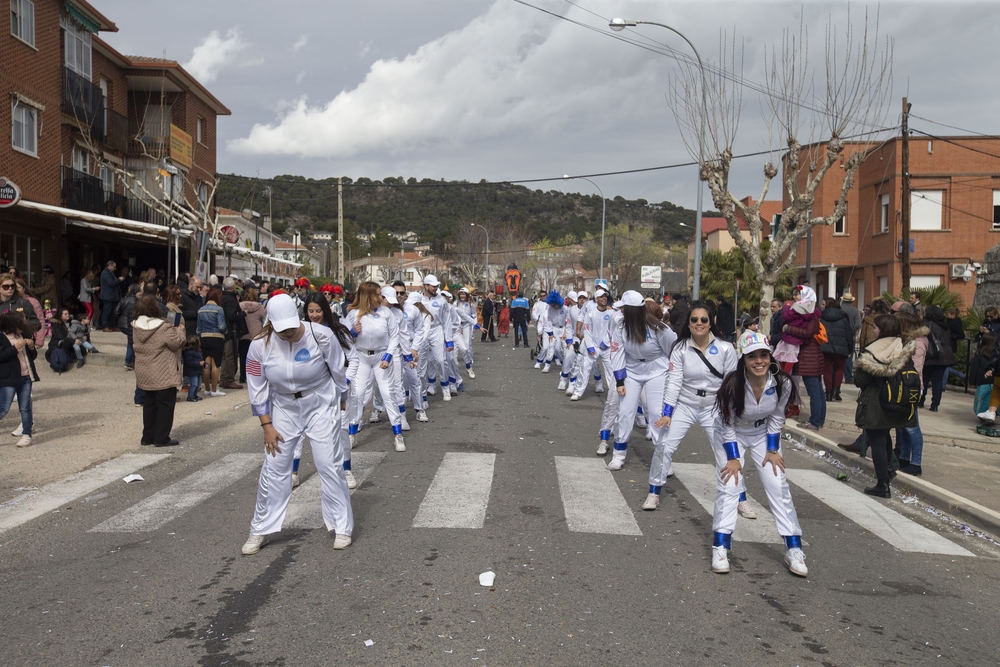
810 361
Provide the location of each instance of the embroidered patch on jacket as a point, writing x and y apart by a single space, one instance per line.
253 367
303 355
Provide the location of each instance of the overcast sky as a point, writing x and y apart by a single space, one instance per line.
496 90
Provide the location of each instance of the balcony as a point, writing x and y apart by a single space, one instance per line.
152 138
82 192
84 101
116 135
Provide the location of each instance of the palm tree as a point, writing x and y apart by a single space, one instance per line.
720 271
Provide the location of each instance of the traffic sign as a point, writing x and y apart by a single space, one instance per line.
10 194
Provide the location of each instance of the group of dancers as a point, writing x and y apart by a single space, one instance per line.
311 373
667 381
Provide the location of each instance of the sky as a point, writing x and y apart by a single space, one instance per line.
502 91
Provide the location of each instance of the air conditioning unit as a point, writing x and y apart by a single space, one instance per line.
958 270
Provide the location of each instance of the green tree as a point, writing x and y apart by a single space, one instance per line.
720 270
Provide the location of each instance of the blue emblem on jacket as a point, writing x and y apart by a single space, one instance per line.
713 350
303 355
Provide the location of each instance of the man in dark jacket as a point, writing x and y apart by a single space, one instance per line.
725 318
190 302
519 313
777 321
110 295
236 328
489 309
838 346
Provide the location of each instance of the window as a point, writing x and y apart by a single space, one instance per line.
199 130
996 209
840 226
775 223
926 209
22 20
81 160
924 282
25 129
78 49
885 214
108 180
202 196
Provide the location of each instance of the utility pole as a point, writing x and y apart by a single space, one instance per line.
340 230
904 217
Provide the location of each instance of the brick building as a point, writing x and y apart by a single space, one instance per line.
955 218
79 110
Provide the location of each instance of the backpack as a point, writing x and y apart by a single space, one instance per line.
58 360
821 336
901 392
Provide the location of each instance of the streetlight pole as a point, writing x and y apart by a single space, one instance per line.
487 254
620 24
604 210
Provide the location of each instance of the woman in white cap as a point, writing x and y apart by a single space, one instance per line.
640 357
553 321
376 336
466 311
699 360
584 358
391 302
751 411
418 324
438 340
297 386
597 325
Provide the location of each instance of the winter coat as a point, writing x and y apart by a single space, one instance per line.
839 333
86 291
157 348
777 321
192 363
47 288
725 319
60 337
40 316
811 361
957 332
19 304
123 311
853 315
110 287
993 326
978 366
255 315
798 315
190 305
882 359
867 335
10 365
236 324
919 338
947 356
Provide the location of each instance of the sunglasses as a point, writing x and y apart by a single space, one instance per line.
400 293
696 320
7 286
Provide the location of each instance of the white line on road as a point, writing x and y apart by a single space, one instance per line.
26 507
305 508
458 493
886 523
699 479
170 503
592 501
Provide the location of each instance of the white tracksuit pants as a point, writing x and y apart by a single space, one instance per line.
689 411
570 363
463 341
610 415
316 416
369 374
779 498
437 362
413 386
636 391
553 345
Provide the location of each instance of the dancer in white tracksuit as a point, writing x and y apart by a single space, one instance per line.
640 349
451 353
392 300
751 412
554 322
466 311
438 340
417 326
567 377
698 362
297 385
585 358
376 334
538 310
597 337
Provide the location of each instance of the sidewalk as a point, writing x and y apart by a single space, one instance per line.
960 467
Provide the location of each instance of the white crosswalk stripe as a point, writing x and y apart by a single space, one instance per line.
35 503
305 509
170 503
699 480
592 501
459 492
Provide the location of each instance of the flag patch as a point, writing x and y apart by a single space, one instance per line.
253 367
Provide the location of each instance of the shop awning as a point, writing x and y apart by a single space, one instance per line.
253 255
106 223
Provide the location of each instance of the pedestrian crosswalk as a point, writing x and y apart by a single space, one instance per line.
459 494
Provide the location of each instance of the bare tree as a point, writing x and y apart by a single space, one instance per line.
858 83
467 249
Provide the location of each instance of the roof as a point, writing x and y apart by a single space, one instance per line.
226 211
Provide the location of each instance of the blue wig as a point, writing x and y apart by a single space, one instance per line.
555 299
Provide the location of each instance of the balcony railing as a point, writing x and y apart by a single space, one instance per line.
82 192
116 135
84 101
152 138
136 210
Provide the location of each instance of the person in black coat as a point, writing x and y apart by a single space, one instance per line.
777 322
110 295
725 318
191 302
839 345
489 310
935 364
236 328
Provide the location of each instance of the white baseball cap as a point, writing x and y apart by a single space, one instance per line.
600 291
464 290
752 340
632 298
447 294
582 294
282 313
414 297
431 279
389 294
572 295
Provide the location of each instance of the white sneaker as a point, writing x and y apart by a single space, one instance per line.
431 390
446 394
295 479
421 416
616 464
746 511
602 449
342 542
575 397
472 374
559 363
599 389
990 416
570 389
24 441
562 384
253 544
545 368
376 417
796 560
640 421
649 433
652 502
352 483
538 364
354 440
405 425
218 393
400 445
18 432
720 560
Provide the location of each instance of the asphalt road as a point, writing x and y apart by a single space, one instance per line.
179 593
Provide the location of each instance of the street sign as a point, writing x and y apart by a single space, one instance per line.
229 234
601 282
899 246
10 194
649 277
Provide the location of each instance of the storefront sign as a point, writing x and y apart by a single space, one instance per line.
229 234
10 194
649 277
181 147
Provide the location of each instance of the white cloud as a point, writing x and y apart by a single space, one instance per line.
300 76
302 41
215 53
364 48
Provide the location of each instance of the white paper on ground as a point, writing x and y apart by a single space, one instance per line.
486 578
134 477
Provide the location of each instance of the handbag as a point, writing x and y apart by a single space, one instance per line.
712 369
933 346
821 336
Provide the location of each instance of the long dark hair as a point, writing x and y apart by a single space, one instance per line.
731 399
330 319
638 321
685 328
13 322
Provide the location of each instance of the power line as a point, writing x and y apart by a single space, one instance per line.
950 127
955 143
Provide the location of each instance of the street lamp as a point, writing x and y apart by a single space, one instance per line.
604 208
487 254
620 24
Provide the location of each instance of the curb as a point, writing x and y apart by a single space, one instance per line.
974 445
968 511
